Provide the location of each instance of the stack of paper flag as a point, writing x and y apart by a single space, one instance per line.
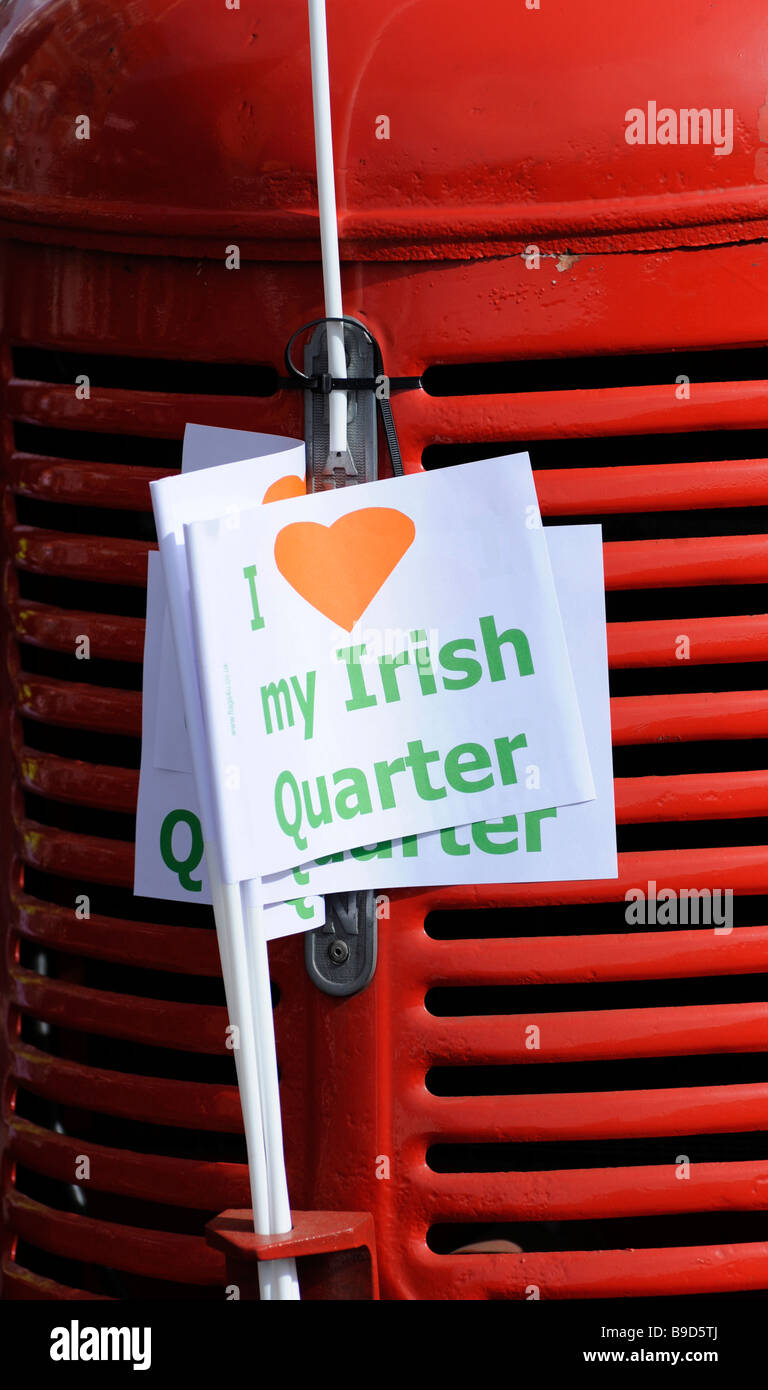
398 684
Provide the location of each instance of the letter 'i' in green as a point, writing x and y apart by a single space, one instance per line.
250 574
361 699
423 663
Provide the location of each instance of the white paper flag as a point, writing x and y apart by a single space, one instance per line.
563 843
452 701
578 842
170 862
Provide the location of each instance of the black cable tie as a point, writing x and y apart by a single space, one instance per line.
325 383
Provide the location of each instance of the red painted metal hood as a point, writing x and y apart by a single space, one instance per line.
503 120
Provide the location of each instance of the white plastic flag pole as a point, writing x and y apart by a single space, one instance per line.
227 904
227 907
284 1271
238 1008
329 232
277 1278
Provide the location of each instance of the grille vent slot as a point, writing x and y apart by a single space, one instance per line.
594 373
144 373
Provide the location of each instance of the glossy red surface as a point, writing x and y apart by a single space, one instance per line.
199 108
115 248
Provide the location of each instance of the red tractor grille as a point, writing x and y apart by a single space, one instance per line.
653 1041
117 1018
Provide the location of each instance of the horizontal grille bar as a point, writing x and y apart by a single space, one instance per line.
545 1118
58 629
135 1249
151 1100
581 1036
23 1284
429 420
84 784
742 868
695 1269
595 1193
115 560
79 705
667 564
630 955
177 1181
189 950
157 1022
162 416
76 483
651 718
652 487
720 639
697 796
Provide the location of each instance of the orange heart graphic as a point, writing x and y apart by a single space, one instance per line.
289 486
339 569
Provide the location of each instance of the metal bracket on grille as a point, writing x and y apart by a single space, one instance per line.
341 956
360 464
